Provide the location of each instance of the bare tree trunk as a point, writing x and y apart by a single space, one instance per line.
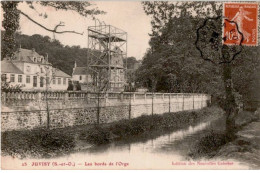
230 104
98 108
47 109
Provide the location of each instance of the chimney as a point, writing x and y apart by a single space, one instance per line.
75 65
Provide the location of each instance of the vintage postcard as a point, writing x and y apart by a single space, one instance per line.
128 85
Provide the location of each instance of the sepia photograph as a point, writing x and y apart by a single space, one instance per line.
130 85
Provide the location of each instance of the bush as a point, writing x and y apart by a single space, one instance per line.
36 143
208 145
97 135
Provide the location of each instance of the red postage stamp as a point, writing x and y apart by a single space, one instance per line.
240 22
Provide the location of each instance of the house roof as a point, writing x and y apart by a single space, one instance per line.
25 55
80 71
59 73
8 67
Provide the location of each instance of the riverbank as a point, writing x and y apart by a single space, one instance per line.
244 147
40 143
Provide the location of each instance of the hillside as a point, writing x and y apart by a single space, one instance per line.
62 57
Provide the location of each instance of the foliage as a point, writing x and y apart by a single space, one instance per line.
70 86
7 87
209 144
129 62
174 61
10 24
36 143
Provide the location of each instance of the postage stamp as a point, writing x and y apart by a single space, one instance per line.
244 15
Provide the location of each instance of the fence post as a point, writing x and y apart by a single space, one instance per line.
39 96
201 101
106 99
133 97
130 98
66 96
183 102
87 97
193 101
98 95
152 103
122 96
169 102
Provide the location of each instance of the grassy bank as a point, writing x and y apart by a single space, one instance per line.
213 142
152 125
43 143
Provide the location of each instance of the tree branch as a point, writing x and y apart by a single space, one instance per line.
51 30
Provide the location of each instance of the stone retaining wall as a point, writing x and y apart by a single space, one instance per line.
20 113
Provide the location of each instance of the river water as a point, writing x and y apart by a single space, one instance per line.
168 151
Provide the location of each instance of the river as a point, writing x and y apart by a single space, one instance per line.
168 151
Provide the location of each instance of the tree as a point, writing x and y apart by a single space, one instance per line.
12 16
46 75
101 85
174 28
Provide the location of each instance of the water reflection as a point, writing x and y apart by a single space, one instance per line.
147 153
167 143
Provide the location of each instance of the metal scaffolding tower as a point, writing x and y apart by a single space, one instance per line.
105 43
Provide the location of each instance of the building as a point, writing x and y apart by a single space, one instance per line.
81 74
86 75
33 72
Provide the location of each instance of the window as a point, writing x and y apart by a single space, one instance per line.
41 81
3 77
54 81
28 79
64 81
34 81
59 81
47 80
20 78
80 77
12 78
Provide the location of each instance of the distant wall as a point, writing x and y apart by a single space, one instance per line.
27 110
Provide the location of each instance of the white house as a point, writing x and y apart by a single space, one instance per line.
33 72
81 74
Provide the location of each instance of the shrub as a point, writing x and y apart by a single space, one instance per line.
97 135
209 144
36 142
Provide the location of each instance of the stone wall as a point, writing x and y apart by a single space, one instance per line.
27 110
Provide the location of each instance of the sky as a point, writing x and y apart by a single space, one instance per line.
126 15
